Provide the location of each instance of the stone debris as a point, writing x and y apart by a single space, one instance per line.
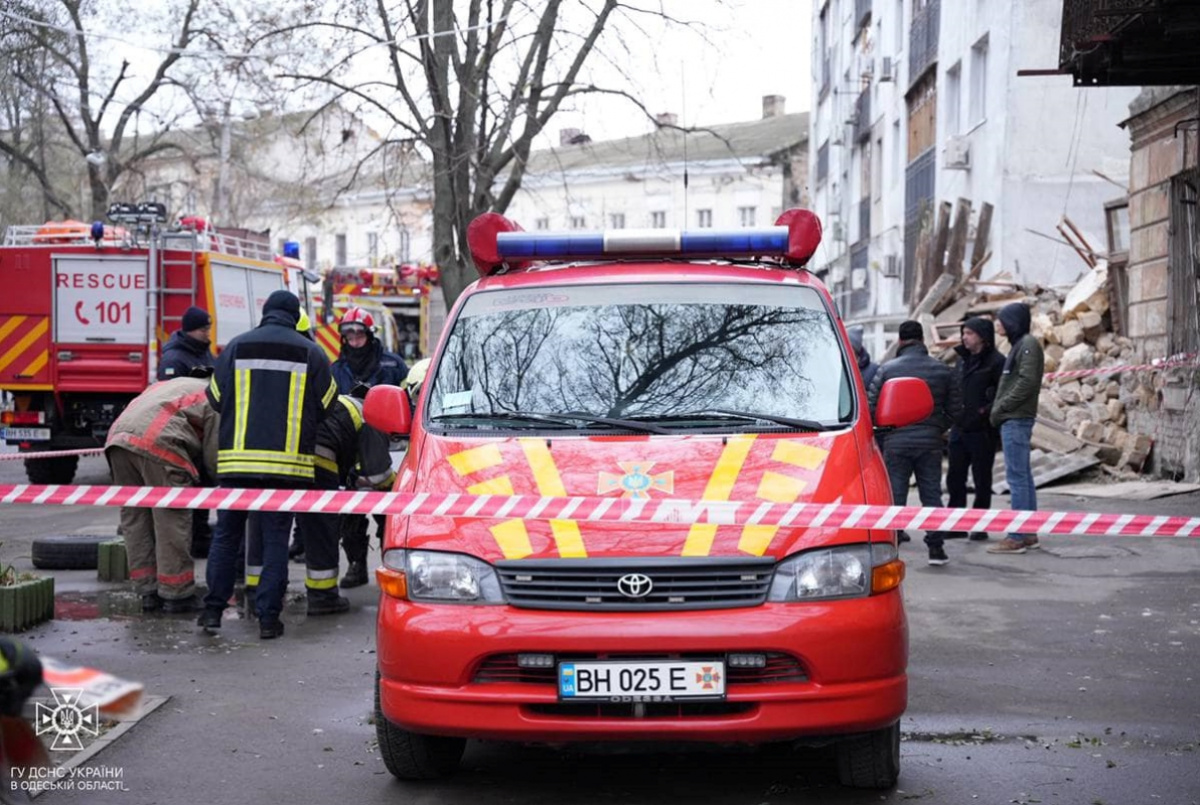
1084 416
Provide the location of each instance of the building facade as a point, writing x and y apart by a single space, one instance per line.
918 102
725 176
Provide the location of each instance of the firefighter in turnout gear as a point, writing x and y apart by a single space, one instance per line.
350 453
273 389
166 437
363 361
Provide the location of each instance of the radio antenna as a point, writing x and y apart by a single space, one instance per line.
683 119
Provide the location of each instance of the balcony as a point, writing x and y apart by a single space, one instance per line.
923 40
862 116
1130 42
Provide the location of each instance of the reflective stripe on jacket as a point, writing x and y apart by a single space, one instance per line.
273 388
349 447
171 422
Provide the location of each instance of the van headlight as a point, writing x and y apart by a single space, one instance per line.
843 571
445 577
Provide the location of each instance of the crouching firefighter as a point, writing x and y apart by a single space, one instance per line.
349 453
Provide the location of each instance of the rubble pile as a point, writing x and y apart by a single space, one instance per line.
1082 415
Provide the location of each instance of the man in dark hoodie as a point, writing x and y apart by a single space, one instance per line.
188 347
273 388
918 448
973 440
866 366
1014 412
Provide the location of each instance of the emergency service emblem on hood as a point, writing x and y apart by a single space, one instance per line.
636 482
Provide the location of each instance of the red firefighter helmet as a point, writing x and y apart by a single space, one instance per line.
356 315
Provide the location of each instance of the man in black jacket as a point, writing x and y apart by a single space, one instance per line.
273 388
188 347
973 440
918 448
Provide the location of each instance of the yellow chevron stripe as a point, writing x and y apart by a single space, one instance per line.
476 459
492 486
549 483
774 488
720 487
10 325
26 340
38 364
512 538
799 454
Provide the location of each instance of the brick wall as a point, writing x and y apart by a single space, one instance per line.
1163 405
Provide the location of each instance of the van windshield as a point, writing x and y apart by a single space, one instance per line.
679 354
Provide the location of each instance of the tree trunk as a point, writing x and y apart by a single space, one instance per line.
99 190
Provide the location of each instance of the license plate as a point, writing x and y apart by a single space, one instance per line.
661 680
25 434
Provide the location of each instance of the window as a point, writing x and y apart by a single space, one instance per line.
899 27
616 220
897 149
877 170
978 104
373 247
541 223
823 162
310 254
658 219
704 219
746 216
577 222
953 98
339 250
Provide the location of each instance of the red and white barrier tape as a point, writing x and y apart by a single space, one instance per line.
595 509
89 451
1164 363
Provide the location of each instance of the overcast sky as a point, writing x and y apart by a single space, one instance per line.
761 47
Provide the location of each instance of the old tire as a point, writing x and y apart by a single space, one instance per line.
871 760
411 755
77 552
60 470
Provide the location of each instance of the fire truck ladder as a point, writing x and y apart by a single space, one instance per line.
181 241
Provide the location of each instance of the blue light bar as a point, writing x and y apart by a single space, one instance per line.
643 242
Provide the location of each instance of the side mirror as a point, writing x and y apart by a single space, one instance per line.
903 401
387 409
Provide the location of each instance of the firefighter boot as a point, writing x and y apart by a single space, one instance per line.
325 604
356 575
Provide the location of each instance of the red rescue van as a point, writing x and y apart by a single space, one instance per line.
694 365
85 309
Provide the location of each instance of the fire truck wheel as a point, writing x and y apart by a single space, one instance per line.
59 470
411 755
75 552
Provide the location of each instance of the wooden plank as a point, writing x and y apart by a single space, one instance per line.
956 311
940 288
937 257
958 238
983 231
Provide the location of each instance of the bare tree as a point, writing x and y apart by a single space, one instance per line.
474 82
91 106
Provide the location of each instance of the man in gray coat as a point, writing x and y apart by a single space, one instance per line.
918 448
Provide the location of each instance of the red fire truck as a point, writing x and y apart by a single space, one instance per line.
85 309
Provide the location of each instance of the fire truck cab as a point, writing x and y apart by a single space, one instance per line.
86 308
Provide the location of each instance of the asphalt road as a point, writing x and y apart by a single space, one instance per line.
1067 675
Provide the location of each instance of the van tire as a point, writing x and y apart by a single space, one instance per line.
411 755
59 470
871 760
78 552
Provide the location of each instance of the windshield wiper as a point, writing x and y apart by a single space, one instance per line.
564 420
754 416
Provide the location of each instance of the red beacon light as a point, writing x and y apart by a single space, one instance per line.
497 243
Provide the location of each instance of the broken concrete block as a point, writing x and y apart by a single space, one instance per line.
1075 417
1080 356
1112 389
1105 342
1089 293
1098 412
1092 325
1115 408
1090 432
1050 407
1109 455
1069 333
1137 450
1043 327
1087 391
1070 393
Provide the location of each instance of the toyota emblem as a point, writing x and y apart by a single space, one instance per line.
635 585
